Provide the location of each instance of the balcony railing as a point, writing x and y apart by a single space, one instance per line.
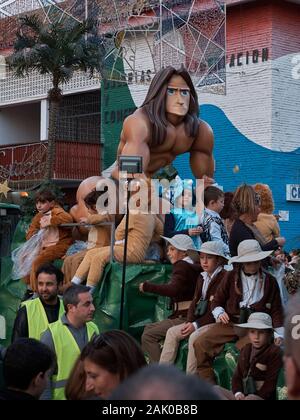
36 86
23 165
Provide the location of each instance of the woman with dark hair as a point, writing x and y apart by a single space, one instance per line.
167 125
227 214
108 359
75 387
246 204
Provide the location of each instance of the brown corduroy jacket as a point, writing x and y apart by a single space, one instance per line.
230 294
181 286
207 318
264 368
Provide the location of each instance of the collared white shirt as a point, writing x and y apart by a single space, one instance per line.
253 292
208 279
253 289
188 259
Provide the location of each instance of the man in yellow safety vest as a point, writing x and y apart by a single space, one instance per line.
35 315
68 336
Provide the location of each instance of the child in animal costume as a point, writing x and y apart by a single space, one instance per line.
56 240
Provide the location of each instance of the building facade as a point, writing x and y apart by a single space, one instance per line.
256 123
24 111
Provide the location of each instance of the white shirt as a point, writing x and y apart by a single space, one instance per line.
207 280
253 291
188 259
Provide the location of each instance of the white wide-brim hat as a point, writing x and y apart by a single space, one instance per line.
211 247
249 251
180 242
258 321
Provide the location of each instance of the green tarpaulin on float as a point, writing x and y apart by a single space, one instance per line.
139 308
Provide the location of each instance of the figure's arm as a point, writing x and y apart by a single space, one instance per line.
134 140
201 154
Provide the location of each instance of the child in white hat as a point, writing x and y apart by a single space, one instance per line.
180 289
212 257
259 364
244 290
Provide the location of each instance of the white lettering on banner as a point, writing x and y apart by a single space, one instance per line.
293 192
296 329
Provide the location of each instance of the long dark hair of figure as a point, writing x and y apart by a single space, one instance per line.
155 105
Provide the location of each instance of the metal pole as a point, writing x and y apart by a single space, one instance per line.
124 259
86 10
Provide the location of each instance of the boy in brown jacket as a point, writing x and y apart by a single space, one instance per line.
212 257
259 363
56 240
244 290
180 289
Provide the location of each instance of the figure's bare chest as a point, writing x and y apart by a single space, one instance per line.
176 142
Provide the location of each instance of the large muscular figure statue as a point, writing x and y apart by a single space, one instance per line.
167 125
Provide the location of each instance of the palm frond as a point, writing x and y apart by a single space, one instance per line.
58 49
31 22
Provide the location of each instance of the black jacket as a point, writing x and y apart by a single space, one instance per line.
10 395
240 232
20 329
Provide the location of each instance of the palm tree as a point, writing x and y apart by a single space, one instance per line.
58 49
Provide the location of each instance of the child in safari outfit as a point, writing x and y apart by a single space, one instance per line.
212 256
259 363
245 290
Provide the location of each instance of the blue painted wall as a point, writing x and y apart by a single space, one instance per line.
256 164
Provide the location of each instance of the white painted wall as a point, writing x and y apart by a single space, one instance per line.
20 124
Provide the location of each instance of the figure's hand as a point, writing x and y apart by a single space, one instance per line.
195 231
141 287
83 220
281 241
224 318
208 181
187 329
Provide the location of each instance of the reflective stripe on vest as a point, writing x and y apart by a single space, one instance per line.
37 318
67 352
